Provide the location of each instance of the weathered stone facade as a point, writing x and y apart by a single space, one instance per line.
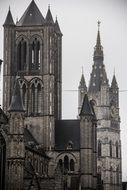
43 151
105 99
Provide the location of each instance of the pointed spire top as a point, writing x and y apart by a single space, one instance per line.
98 50
114 82
49 18
86 107
57 28
82 84
9 19
16 101
98 35
98 25
32 16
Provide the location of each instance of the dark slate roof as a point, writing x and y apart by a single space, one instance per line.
49 19
16 101
114 82
66 131
9 20
86 107
32 16
57 27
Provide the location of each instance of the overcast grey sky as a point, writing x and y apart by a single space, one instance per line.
78 22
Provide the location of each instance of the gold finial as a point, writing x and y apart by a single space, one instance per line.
98 24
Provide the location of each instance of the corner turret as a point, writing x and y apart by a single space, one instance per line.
49 18
9 19
82 90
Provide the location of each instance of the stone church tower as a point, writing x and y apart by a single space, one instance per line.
43 151
106 104
32 51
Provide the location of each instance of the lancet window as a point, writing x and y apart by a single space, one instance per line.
22 54
35 55
36 97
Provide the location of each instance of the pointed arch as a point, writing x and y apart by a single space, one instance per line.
36 91
66 163
22 54
35 57
72 165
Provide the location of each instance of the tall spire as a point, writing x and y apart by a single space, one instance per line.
114 82
98 75
49 18
98 50
9 19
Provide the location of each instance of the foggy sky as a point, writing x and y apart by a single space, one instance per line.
78 23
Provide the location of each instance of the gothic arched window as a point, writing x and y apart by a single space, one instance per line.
24 95
33 98
39 98
66 163
22 54
117 150
35 55
72 165
110 148
99 149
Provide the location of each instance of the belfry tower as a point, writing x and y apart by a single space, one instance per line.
105 98
32 51
106 103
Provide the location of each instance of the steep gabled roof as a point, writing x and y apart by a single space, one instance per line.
9 19
32 16
67 131
86 107
49 19
16 101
